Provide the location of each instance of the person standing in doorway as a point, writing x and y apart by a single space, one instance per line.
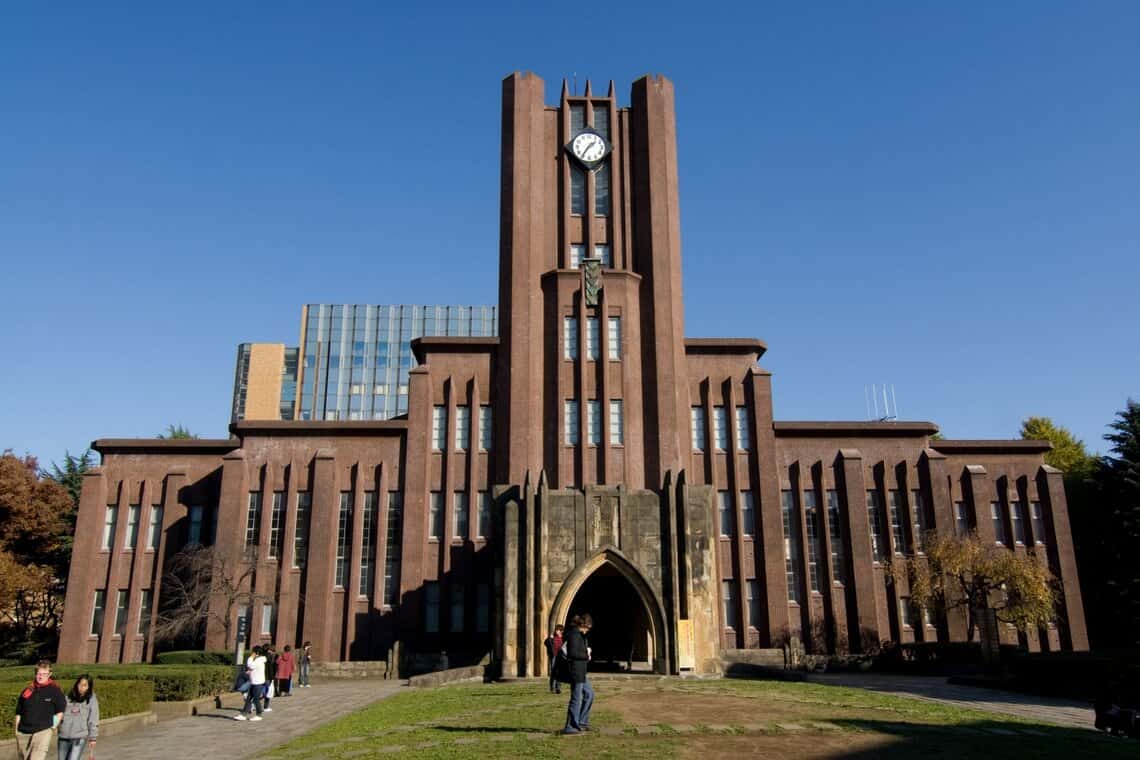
581 692
255 666
304 660
553 644
285 664
38 711
80 725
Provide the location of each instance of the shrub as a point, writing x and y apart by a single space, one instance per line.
194 657
171 682
936 657
116 697
1078 675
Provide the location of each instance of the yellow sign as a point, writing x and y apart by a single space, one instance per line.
686 653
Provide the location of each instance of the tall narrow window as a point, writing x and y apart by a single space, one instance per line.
146 598
121 613
267 620
898 533
593 338
699 429
577 253
194 534
577 190
483 608
109 519
277 524
154 529
731 619
613 338
253 519
368 545
392 548
462 427
1038 522
431 607
460 523
301 530
791 544
133 515
605 253
484 525
1015 509
570 337
485 428
458 608
438 427
97 613
570 422
918 504
755 604
961 520
811 522
906 617
875 518
344 528
594 423
602 192
743 429
724 509
435 515
748 512
720 427
617 423
998 522
835 531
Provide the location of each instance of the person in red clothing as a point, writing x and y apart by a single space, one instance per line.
553 644
285 666
38 711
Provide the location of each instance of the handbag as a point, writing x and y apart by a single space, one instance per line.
269 691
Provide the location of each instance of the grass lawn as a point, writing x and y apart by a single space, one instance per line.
657 718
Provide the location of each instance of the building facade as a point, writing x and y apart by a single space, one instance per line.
588 458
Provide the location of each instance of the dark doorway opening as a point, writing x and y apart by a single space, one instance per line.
621 639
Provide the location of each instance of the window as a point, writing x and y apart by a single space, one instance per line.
276 524
729 594
720 427
743 429
97 613
368 546
697 420
604 252
133 513
570 422
145 600
392 549
748 512
431 607
594 423
592 338
569 337
1015 510
460 522
961 521
483 608
154 528
835 531
754 604
724 509
1038 518
577 253
791 545
811 522
109 525
617 423
919 506
457 608
875 518
998 522
613 338
194 534
344 526
121 613
462 427
577 191
435 515
301 530
267 620
438 427
927 617
602 192
253 519
483 527
898 535
485 428
905 617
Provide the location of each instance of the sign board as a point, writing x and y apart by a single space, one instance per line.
686 651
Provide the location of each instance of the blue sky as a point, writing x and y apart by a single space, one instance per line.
939 196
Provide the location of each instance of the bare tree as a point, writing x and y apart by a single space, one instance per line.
204 584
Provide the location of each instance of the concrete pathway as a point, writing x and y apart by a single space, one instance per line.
1045 710
215 735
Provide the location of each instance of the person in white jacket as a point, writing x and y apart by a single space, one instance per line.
255 667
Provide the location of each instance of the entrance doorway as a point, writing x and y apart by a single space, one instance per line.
622 637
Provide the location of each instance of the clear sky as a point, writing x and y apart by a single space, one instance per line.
942 196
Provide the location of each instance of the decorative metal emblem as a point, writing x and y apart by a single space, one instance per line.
592 272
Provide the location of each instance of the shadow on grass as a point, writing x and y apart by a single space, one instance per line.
489 729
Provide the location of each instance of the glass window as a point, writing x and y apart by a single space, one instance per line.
835 531
484 525
460 522
602 193
194 534
918 503
276 524
577 253
97 613
431 607
392 548
898 534
267 619
729 594
961 521
1015 509
699 431
301 530
435 515
617 423
905 615
368 545
145 599
1038 522
457 607
927 617
724 509
253 519
570 337
605 252
720 427
811 522
154 529
343 533
998 522
577 118
791 544
743 429
748 512
121 613
133 513
593 338
875 518
109 519
755 604
577 190
462 427
439 427
613 338
483 609
485 428
570 422
594 423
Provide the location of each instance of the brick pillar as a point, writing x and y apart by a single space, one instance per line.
320 624
977 484
933 465
110 647
175 482
1051 490
233 503
863 617
81 582
770 541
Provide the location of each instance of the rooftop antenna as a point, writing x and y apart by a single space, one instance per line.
873 394
575 75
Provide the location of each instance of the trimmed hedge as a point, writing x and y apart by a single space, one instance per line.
937 657
172 683
1079 675
116 697
194 657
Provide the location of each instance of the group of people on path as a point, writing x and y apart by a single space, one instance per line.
268 674
569 652
43 709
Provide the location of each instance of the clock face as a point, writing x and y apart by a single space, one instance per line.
588 147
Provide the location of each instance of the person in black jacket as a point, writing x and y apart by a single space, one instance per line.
39 710
581 692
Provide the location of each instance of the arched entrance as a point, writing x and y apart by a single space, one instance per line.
629 627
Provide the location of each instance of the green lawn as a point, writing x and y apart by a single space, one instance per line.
657 718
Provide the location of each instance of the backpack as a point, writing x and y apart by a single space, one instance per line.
561 667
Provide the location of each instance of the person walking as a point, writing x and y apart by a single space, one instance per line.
581 692
80 725
285 666
270 675
39 710
304 661
255 666
553 644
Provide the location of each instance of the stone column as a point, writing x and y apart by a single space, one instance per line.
1051 490
864 622
769 523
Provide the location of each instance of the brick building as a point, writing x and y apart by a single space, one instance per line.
590 457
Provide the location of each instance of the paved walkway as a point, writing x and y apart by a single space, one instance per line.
1046 710
215 735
